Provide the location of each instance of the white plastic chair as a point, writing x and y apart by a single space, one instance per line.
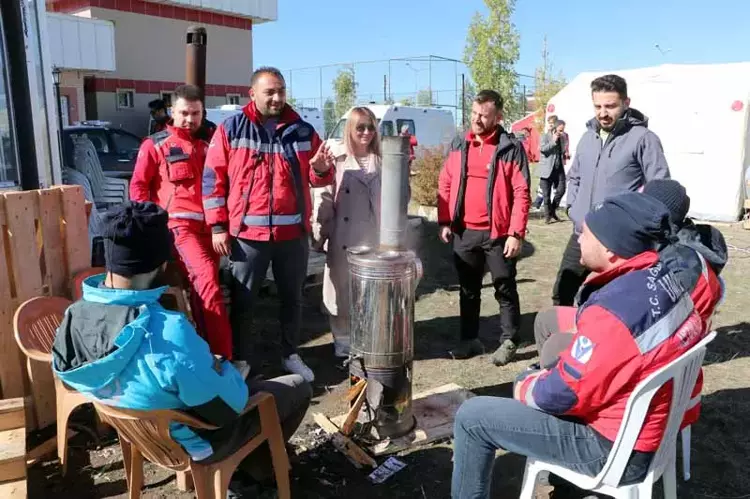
684 372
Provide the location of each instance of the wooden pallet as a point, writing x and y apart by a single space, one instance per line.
12 449
45 241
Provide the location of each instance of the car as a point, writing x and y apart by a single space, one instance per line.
117 149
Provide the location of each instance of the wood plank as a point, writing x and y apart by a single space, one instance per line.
22 212
351 417
12 454
12 414
15 489
47 447
434 410
5 272
42 385
11 367
76 232
344 444
50 218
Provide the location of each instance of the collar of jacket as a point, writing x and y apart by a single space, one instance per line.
638 262
629 119
288 115
182 133
500 137
94 291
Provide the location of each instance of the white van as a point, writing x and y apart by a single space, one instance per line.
432 126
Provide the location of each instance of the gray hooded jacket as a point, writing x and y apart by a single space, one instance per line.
631 156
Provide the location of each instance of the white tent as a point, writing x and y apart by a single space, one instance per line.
700 113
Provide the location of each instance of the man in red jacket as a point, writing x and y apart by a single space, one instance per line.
638 321
483 207
256 197
168 172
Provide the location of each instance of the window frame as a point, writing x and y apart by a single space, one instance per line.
232 96
125 91
401 121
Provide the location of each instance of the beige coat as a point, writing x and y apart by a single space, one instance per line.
346 214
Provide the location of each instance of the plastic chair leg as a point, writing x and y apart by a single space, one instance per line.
529 481
669 478
64 411
686 433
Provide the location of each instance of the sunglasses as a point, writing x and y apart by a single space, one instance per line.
361 128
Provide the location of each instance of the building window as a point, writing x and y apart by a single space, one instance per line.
167 98
409 124
125 98
233 99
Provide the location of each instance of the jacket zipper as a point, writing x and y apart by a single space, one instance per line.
270 189
610 137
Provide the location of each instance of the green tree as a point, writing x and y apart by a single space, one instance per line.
469 94
424 97
406 101
546 84
492 49
329 115
344 91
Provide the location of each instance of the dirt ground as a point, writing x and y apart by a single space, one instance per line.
720 443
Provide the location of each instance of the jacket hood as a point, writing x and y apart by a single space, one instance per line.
100 334
288 115
631 118
706 240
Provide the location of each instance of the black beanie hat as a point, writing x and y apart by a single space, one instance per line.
673 195
629 224
136 238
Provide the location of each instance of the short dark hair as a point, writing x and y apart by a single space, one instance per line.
610 83
559 122
490 96
552 117
191 93
266 70
157 104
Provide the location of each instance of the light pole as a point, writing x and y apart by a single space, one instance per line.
56 75
416 82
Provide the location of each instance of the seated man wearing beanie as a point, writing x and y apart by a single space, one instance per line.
638 320
120 347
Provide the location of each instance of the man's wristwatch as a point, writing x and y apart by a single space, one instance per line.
516 235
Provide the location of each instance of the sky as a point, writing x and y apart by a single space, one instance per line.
582 35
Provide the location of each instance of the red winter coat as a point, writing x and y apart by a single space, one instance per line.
508 197
638 321
168 172
258 186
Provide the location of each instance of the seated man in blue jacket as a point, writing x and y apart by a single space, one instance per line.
119 346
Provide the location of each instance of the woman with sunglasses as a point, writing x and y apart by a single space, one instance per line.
347 215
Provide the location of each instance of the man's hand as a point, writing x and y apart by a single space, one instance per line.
517 385
323 159
221 243
446 234
512 247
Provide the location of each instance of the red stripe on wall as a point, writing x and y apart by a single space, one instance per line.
97 84
154 9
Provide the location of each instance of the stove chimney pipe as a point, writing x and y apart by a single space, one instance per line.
394 196
195 58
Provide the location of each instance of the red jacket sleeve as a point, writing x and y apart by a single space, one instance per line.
520 181
589 375
319 179
215 184
146 168
444 188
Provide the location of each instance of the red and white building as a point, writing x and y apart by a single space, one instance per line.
114 80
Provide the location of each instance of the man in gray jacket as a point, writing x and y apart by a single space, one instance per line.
551 169
617 153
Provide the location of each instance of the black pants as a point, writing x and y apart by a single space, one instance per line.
249 264
556 180
571 275
471 251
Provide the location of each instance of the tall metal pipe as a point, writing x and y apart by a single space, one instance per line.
394 193
195 58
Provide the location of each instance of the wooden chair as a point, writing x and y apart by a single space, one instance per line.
36 322
146 434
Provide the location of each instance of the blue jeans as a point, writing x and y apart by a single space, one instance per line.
485 424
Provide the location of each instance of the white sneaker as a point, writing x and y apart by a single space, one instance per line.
294 364
242 366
